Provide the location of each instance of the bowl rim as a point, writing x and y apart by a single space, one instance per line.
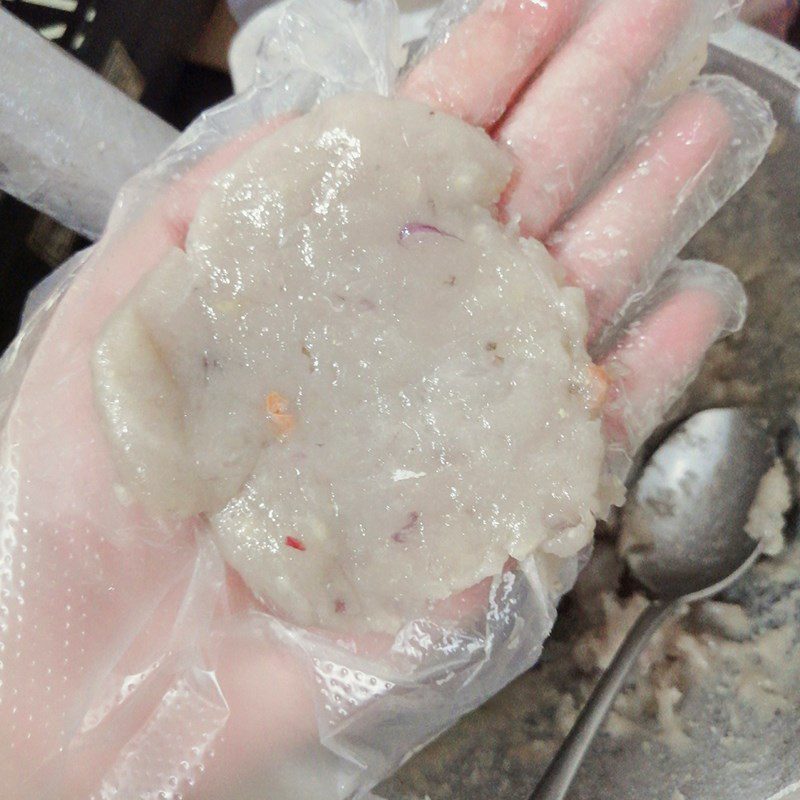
762 49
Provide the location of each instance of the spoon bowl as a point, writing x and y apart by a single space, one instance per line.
683 527
683 533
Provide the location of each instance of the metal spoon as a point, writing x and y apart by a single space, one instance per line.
684 540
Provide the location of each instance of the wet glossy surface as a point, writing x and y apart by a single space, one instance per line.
339 364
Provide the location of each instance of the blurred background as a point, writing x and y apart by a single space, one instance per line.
171 56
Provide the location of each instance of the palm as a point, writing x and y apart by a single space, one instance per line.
108 595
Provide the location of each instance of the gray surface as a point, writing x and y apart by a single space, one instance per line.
498 752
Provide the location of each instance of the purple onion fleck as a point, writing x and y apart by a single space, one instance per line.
412 228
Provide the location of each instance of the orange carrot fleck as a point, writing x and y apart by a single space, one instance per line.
599 384
282 418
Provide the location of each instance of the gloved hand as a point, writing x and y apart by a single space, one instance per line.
134 664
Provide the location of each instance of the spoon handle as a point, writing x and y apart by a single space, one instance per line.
559 775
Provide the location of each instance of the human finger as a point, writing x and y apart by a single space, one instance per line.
705 147
567 123
486 59
660 352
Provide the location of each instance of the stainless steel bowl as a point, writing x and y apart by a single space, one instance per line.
499 751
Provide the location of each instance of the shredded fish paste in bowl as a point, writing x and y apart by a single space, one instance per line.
374 391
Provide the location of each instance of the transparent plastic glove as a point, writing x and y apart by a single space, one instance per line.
134 664
68 159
